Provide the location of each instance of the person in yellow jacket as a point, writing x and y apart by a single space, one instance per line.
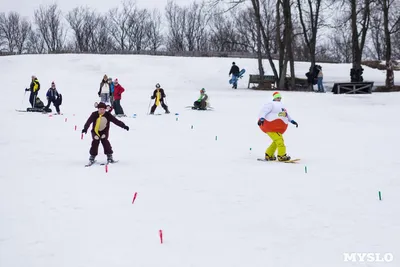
34 89
273 120
159 96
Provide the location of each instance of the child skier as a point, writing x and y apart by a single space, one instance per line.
100 121
53 97
159 95
201 103
273 120
118 90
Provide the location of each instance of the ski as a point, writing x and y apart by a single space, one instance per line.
287 161
100 163
107 163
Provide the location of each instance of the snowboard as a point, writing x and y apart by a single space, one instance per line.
288 161
240 76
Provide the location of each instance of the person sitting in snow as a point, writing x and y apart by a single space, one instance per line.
202 102
118 90
159 96
273 120
53 97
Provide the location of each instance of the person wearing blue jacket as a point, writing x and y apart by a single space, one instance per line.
111 83
53 97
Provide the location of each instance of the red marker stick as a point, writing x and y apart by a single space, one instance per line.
134 197
75 127
82 136
106 167
161 236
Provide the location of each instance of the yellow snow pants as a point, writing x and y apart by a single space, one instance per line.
277 143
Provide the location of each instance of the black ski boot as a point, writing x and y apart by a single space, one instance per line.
110 159
92 159
270 158
284 158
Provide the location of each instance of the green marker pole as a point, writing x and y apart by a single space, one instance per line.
216 138
305 169
192 127
380 195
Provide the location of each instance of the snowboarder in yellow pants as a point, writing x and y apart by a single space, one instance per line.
277 143
273 120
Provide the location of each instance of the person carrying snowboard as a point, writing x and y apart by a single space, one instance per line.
53 97
118 90
273 120
34 89
235 74
159 96
100 121
202 101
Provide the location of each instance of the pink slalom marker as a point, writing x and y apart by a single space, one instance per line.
106 167
65 120
134 197
161 236
75 127
82 136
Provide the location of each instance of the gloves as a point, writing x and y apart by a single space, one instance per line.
295 123
152 97
260 121
98 93
126 128
84 131
27 89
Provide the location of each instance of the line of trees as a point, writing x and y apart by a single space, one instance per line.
289 30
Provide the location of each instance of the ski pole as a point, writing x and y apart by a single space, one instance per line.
148 108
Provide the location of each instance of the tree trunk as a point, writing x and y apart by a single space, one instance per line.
388 55
256 6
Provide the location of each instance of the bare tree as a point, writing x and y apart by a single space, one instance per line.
391 24
176 18
139 25
84 23
48 21
309 15
377 34
14 31
35 43
154 31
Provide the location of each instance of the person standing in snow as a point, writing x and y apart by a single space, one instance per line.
100 121
235 74
202 101
159 96
273 120
118 90
34 89
53 97
111 83
104 90
320 78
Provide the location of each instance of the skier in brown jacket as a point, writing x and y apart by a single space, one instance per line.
100 121
159 96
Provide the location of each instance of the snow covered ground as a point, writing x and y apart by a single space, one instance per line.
196 174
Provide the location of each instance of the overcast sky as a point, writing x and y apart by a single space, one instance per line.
27 7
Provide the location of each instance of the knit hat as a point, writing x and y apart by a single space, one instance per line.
116 81
52 83
276 95
101 105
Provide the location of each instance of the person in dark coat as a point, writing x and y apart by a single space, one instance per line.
159 96
53 97
100 121
235 74
34 89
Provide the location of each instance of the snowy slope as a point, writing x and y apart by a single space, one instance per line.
201 185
